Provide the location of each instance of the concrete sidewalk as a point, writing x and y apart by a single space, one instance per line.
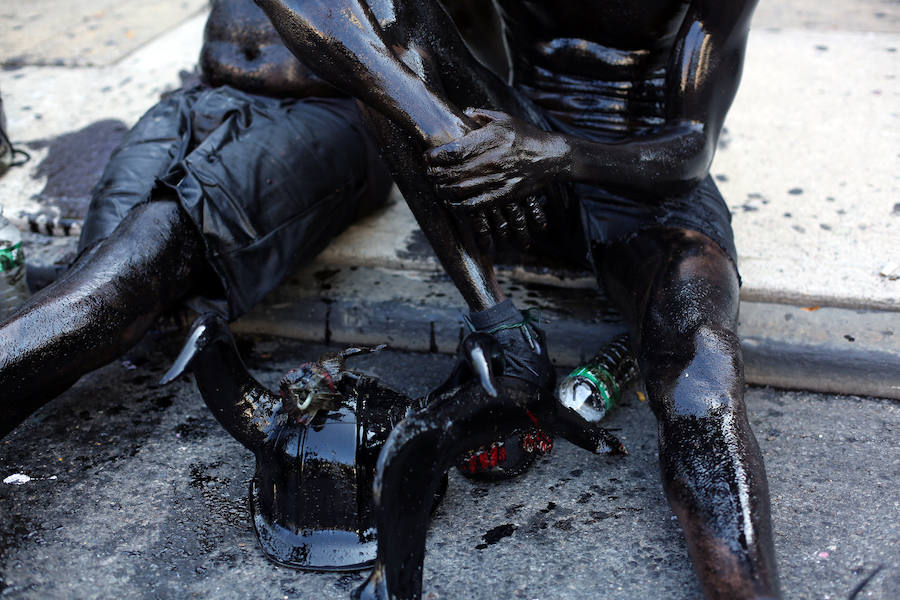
808 164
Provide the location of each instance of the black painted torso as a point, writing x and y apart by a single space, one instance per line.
242 49
597 67
621 24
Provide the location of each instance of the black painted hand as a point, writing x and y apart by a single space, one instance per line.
505 159
489 173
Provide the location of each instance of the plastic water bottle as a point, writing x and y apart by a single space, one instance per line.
13 289
593 388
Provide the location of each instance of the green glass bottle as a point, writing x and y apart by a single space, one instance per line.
592 389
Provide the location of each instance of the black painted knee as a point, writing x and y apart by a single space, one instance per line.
699 375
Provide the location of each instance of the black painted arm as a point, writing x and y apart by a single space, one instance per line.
508 158
703 76
367 49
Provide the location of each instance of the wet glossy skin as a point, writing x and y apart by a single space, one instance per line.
101 307
681 294
412 76
240 48
657 77
653 82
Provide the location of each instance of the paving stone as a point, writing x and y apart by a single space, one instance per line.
842 15
70 120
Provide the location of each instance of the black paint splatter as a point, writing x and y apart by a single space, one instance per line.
74 163
496 534
564 525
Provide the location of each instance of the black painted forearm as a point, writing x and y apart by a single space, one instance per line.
676 157
703 75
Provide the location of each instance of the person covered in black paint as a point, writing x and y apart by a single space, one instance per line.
211 199
597 149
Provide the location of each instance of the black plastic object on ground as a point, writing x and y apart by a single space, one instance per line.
316 445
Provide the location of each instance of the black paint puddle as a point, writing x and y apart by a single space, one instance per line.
480 492
74 163
600 515
496 534
417 247
161 403
193 429
324 276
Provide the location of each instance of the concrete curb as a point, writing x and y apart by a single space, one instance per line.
823 349
820 349
829 349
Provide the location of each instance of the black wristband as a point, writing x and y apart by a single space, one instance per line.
499 314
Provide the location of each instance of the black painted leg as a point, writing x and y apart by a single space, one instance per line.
96 311
681 294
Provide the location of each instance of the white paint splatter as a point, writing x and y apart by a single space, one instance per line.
17 479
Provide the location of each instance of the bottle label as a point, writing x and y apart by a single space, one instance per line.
607 389
11 258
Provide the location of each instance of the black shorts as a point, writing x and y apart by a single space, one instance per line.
585 218
608 217
267 182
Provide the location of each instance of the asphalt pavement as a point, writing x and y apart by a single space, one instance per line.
135 491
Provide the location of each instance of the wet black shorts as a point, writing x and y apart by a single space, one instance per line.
585 218
609 217
267 182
